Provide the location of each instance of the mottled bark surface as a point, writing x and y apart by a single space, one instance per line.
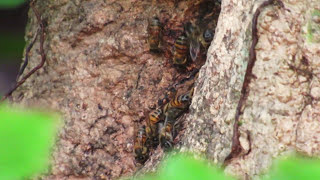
101 77
281 113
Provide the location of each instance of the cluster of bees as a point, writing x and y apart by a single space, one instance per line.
187 47
161 125
160 128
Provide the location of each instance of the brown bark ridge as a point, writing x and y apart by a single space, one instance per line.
100 75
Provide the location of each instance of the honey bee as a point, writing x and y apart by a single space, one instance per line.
199 40
173 110
180 50
167 133
153 127
171 92
206 38
180 102
193 34
154 29
141 150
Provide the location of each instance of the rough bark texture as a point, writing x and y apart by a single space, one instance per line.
282 111
101 77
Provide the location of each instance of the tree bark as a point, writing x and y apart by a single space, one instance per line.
100 75
281 113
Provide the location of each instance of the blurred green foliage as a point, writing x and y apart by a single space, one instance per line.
5 4
185 167
11 46
25 139
182 166
295 168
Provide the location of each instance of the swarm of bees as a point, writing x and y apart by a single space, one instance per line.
160 128
189 48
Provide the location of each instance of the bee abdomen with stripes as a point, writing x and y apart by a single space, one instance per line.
154 30
180 50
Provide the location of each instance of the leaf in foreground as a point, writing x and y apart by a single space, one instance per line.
184 166
25 141
295 168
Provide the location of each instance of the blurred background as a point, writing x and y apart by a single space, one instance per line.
13 19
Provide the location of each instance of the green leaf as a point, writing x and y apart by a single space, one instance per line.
10 3
25 141
295 168
182 166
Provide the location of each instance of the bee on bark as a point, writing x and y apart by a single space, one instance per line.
152 129
168 130
171 92
206 38
180 55
193 34
180 102
172 111
154 29
141 150
167 133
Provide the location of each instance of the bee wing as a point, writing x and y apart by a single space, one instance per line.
194 49
188 29
160 127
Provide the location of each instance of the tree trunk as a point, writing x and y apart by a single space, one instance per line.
101 76
281 112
